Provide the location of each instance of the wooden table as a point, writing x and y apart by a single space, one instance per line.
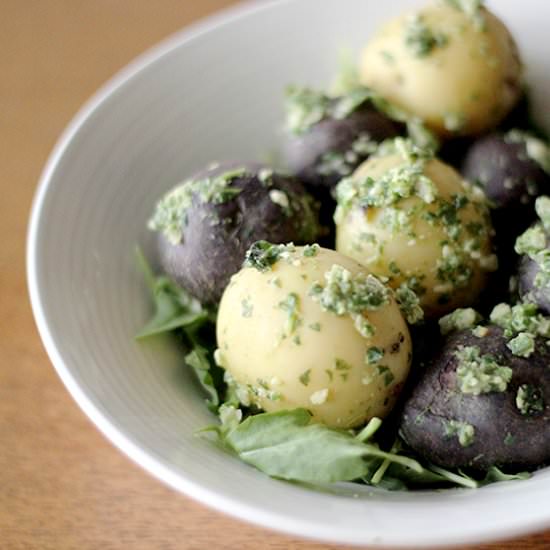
62 485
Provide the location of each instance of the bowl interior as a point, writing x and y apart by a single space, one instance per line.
215 93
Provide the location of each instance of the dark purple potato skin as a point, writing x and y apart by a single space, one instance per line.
527 271
217 236
304 152
491 162
495 417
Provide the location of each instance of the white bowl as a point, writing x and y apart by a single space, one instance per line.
215 92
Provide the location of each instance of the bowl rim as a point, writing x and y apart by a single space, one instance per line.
176 480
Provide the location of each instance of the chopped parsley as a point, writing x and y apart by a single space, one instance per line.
340 364
409 303
310 250
477 374
291 305
529 400
305 377
345 294
421 39
262 255
459 319
170 215
374 355
386 373
520 318
462 430
533 243
473 9
306 107
523 345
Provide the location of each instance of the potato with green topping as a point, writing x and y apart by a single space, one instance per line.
411 218
534 267
484 397
308 327
328 137
207 223
453 64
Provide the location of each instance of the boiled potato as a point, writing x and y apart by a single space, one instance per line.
419 224
310 329
452 64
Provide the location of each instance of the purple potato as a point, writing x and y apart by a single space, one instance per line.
510 427
511 180
216 235
333 147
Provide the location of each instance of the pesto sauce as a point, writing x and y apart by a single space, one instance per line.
421 39
477 374
462 430
459 319
529 400
345 294
170 215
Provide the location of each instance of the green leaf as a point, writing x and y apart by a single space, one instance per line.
174 307
287 445
495 474
198 359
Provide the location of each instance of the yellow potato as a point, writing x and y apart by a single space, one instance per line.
283 349
441 251
460 72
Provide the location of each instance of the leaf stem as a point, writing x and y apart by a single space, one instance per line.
369 430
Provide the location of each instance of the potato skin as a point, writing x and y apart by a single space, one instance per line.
465 86
331 136
321 363
503 436
216 236
510 179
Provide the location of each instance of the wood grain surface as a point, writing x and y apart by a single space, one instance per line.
62 485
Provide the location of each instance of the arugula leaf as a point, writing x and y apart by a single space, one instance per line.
174 307
495 474
199 361
288 446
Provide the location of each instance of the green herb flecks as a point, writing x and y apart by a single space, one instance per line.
305 377
374 355
523 345
533 243
421 39
459 319
170 215
291 305
462 430
263 255
306 107
345 294
521 324
473 9
409 303
529 400
477 374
